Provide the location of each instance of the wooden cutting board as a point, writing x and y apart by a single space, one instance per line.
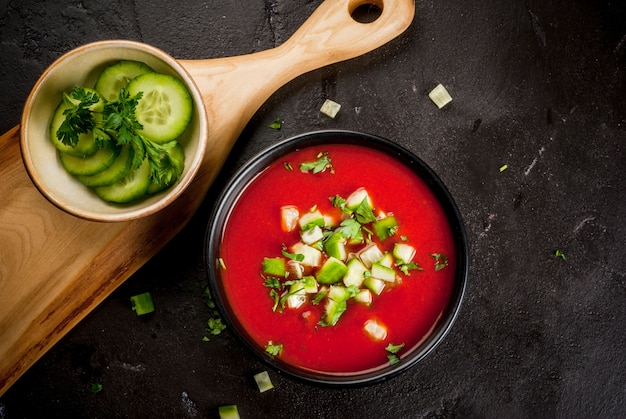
55 268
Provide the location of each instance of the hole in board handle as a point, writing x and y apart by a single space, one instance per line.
366 11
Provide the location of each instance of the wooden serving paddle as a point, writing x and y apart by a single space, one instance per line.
55 268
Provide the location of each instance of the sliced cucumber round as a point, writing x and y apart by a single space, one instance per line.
118 169
116 76
166 107
90 165
130 188
86 142
178 153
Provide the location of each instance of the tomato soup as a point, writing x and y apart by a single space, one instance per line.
408 308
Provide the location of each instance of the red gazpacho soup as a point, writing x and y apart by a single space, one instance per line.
337 259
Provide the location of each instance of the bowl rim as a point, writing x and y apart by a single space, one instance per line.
247 173
168 196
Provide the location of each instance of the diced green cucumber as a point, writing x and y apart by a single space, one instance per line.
335 246
310 219
274 267
116 171
229 412
310 284
331 271
374 284
380 271
355 198
387 260
289 215
263 381
333 311
355 275
311 256
178 153
142 303
166 107
87 144
370 254
131 187
312 235
296 295
403 252
364 296
92 164
340 293
385 227
118 75
375 329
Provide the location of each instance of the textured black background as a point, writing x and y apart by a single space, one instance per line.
537 85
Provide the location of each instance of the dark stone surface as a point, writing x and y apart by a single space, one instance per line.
540 86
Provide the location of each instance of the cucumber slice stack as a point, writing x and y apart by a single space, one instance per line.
164 111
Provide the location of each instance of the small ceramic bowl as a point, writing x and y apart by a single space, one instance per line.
242 298
80 67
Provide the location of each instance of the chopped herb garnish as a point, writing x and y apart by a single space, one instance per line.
349 228
441 260
392 350
320 165
220 261
338 202
96 388
277 124
274 349
407 267
142 303
560 254
288 166
298 257
215 326
364 212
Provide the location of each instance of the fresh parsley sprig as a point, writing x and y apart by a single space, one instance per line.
117 122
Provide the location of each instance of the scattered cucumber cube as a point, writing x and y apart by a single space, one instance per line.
312 256
354 200
312 235
387 260
355 275
340 293
330 108
403 252
440 96
364 296
263 381
375 285
274 267
331 271
385 227
375 329
142 303
379 271
229 412
335 246
333 311
370 254
310 284
310 219
297 295
289 216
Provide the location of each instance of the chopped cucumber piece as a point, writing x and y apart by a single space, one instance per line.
274 267
289 216
333 311
364 296
386 227
312 256
310 219
403 252
330 108
118 75
165 109
354 200
379 271
142 303
131 187
294 269
387 260
370 254
229 412
120 168
440 96
310 284
374 284
296 295
90 165
263 381
312 235
375 329
331 271
340 293
355 275
335 246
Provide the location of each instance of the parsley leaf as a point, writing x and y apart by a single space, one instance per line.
78 117
392 350
277 124
320 165
560 254
364 212
441 261
406 267
274 349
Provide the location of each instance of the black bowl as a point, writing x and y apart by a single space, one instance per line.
256 165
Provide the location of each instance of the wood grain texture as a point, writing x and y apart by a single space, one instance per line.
55 268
